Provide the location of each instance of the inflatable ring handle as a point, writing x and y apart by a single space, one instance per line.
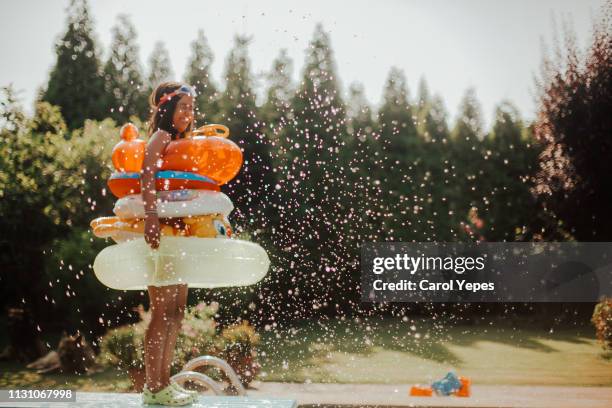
212 130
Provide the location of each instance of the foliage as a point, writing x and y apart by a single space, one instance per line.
363 155
160 68
574 125
359 114
52 184
276 113
251 189
29 175
198 334
465 157
123 78
199 76
602 320
438 177
242 336
69 276
312 193
239 350
75 84
400 145
47 119
11 112
508 209
276 109
124 346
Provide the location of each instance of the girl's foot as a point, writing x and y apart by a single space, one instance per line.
183 390
169 396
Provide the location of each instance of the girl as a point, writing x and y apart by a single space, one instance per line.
172 118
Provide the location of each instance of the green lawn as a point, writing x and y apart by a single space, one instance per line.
14 376
396 351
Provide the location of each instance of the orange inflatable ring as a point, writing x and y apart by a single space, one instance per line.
202 226
105 227
123 184
214 156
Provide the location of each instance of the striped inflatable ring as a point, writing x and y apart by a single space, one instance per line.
123 184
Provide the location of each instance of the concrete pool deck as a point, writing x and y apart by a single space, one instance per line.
277 395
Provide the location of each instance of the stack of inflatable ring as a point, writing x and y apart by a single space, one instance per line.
196 247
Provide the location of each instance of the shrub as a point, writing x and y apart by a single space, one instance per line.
602 320
197 336
239 350
52 184
123 347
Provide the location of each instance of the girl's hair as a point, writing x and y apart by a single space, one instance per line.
161 118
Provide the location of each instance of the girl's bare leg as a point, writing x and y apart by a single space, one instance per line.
156 337
179 294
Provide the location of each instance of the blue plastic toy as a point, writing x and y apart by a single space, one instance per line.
448 385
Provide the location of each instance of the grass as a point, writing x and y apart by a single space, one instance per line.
13 376
395 351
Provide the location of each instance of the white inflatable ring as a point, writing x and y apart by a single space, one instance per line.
197 262
177 203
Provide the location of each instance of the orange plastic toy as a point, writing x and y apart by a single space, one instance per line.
128 154
212 155
464 391
420 391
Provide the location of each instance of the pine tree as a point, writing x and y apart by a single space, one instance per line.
316 198
198 75
359 113
76 84
437 162
422 104
319 111
396 122
508 207
160 67
363 157
467 173
276 111
280 90
435 120
125 91
468 127
251 190
401 159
